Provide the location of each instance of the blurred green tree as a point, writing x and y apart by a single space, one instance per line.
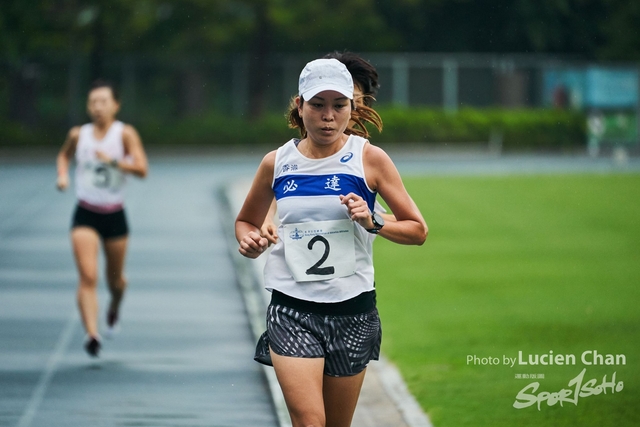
620 31
592 29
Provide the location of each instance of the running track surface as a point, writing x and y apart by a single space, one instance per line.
183 357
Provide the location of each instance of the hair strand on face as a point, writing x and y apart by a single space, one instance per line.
360 117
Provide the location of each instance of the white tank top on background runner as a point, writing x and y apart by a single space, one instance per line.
99 184
321 255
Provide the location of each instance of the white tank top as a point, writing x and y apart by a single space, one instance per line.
307 193
99 184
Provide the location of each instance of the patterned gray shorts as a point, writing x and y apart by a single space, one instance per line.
346 342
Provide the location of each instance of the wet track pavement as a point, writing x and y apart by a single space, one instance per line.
183 356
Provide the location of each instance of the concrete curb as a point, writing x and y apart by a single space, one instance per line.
385 400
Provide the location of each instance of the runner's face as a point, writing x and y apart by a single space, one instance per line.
101 105
326 116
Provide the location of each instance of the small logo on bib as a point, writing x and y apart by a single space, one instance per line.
295 234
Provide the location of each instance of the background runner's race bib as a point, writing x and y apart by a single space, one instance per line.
320 250
102 175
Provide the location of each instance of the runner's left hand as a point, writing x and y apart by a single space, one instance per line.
269 231
358 209
102 156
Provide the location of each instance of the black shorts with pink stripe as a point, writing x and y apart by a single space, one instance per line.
111 225
346 340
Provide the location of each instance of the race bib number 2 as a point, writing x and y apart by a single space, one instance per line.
320 250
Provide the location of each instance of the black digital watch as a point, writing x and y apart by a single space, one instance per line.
378 223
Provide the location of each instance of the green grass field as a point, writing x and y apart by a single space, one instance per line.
516 263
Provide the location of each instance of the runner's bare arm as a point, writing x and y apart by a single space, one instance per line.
382 175
63 159
254 210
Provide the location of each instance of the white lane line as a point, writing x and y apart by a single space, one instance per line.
52 364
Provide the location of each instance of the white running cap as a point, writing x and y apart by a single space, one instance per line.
325 74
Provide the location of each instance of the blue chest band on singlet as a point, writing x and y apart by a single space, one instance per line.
322 185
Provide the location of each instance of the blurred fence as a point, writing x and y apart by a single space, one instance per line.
51 91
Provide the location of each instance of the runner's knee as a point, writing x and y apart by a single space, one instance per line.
305 417
116 281
88 280
312 421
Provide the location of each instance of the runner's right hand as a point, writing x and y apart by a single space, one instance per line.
63 182
252 245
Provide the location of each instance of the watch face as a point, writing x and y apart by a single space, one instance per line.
378 221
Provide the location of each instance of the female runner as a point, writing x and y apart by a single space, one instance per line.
322 324
105 151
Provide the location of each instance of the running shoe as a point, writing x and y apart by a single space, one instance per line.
112 323
92 346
